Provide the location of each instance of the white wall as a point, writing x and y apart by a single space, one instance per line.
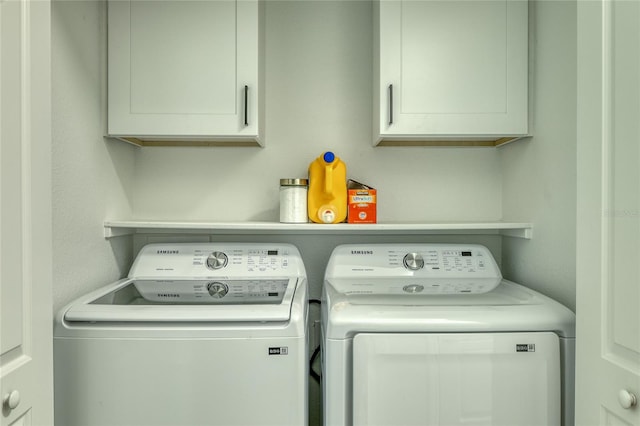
539 175
92 177
318 97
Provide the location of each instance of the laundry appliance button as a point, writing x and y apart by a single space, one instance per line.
217 260
413 261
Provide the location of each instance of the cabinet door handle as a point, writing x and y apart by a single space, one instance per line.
390 104
11 400
627 399
246 105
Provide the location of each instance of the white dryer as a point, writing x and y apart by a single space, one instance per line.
199 334
430 334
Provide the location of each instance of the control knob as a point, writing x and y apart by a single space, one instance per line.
217 290
217 260
413 261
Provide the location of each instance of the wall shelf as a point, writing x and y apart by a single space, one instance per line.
510 229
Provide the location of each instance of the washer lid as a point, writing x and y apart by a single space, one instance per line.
222 300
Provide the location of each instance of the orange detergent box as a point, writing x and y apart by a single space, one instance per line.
362 203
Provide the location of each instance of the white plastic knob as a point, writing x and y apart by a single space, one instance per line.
11 400
627 399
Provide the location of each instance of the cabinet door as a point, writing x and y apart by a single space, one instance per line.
26 371
451 69
184 70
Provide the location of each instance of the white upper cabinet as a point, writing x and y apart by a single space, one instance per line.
186 72
450 72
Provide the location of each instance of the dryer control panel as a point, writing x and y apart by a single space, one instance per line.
414 268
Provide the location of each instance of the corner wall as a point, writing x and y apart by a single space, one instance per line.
539 175
92 177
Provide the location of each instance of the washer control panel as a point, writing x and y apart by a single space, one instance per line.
415 268
217 260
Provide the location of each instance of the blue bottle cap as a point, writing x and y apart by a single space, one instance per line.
329 157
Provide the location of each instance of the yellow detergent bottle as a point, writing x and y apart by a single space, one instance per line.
327 197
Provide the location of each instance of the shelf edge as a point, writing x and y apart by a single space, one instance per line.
121 228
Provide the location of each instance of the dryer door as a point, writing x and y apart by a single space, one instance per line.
508 379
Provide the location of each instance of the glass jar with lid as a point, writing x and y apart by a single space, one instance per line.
293 200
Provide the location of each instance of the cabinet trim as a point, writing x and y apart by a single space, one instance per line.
177 141
449 142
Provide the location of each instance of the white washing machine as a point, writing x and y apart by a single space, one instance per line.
199 334
430 334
